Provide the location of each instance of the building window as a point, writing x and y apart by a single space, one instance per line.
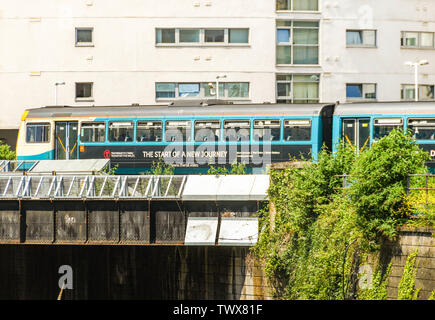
297 5
84 37
422 40
361 38
425 92
214 35
238 35
297 42
202 37
188 90
165 36
202 90
84 91
297 88
360 91
189 35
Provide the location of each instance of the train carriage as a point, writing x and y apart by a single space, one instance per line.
361 124
191 136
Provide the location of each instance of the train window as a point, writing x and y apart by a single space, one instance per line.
297 130
267 130
93 132
38 132
422 129
121 131
207 131
178 131
237 130
383 127
149 131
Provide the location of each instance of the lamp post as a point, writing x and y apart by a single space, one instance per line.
415 65
221 76
55 91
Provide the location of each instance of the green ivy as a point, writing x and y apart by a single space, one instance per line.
321 230
407 290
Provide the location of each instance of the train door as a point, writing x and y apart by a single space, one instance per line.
356 133
66 140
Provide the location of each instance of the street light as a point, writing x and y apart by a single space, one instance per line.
221 76
415 65
55 91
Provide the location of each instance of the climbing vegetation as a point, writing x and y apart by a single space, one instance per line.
317 229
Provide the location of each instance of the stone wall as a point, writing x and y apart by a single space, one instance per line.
396 253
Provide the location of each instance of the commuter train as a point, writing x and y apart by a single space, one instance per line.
193 135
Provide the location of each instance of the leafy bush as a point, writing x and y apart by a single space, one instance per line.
161 168
379 190
320 231
236 168
6 153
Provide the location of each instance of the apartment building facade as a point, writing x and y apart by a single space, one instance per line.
112 52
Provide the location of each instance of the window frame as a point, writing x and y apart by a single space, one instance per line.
292 98
96 123
290 6
84 44
302 123
363 44
224 133
419 37
266 126
218 126
291 44
385 123
132 126
188 135
409 125
363 92
202 43
84 99
202 91
147 121
47 125
412 87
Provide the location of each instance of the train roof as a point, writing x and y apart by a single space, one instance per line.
183 109
384 108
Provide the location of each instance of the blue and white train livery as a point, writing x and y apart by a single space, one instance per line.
190 136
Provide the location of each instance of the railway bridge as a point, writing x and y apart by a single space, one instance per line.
187 235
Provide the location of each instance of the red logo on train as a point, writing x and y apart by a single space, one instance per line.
107 154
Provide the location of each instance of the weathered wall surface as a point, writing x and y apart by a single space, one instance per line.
130 272
396 253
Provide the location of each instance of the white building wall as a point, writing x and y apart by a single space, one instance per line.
124 64
384 64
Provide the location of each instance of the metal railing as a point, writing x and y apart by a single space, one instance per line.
13 166
91 187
